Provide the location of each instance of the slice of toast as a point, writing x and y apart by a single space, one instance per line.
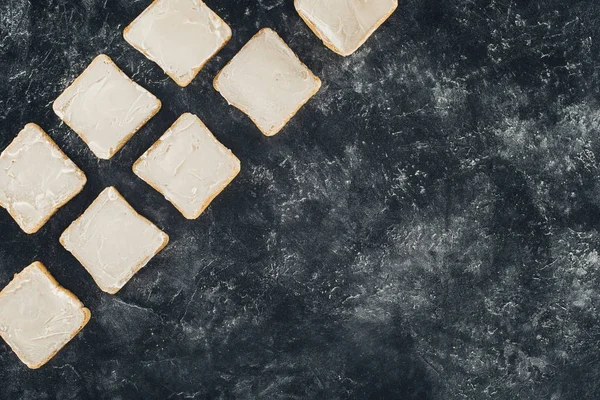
112 241
105 107
181 36
36 178
38 317
267 81
188 166
344 25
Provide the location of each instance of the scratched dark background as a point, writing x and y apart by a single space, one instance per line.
426 227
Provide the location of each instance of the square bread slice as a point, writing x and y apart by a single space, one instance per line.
188 166
36 178
38 317
344 25
267 81
179 35
104 107
112 241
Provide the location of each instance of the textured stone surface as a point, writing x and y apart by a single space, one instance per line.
426 227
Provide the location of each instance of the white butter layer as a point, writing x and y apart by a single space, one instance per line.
344 25
36 178
179 35
267 82
188 165
105 107
37 316
112 241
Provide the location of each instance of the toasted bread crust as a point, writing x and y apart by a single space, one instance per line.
121 143
79 173
333 47
239 107
137 267
179 82
70 294
210 199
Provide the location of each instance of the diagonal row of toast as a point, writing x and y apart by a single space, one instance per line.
188 165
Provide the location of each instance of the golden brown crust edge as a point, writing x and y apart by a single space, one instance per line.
146 10
184 83
75 81
225 183
61 204
137 268
291 115
215 194
61 240
318 33
207 202
123 141
179 82
86 312
330 45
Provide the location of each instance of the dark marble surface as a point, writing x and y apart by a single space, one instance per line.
427 226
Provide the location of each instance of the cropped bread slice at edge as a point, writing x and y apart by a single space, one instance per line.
291 115
332 46
134 270
80 173
179 82
213 196
85 311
